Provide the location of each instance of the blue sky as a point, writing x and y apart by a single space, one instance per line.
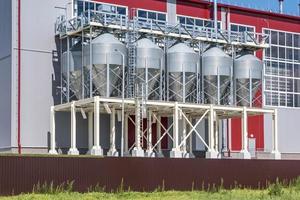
290 6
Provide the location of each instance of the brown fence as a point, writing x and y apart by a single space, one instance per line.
20 174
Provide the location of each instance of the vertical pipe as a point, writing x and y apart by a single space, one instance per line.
19 77
281 6
52 131
216 18
123 109
216 132
107 77
68 69
91 66
149 134
190 138
211 128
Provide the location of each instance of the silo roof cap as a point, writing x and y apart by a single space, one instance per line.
106 38
181 48
146 43
214 51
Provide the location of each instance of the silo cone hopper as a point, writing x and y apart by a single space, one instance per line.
149 68
247 76
183 67
107 62
216 76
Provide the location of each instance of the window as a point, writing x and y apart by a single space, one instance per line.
241 28
145 15
191 22
84 5
282 69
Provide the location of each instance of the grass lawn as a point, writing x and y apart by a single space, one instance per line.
235 194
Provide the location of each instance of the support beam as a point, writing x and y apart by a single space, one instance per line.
97 150
245 154
176 153
52 132
149 152
275 152
190 141
211 153
112 150
73 150
137 150
216 135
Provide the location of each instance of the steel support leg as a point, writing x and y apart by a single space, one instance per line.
245 154
149 152
97 150
137 150
112 151
176 153
73 150
52 131
90 131
185 154
211 153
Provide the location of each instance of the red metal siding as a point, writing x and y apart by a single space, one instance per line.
160 5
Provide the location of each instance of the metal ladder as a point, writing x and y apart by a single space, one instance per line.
132 55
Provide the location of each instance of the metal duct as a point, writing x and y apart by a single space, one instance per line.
247 76
107 64
183 66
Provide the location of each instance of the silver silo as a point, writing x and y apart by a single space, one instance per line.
216 76
183 68
107 61
149 68
75 70
247 77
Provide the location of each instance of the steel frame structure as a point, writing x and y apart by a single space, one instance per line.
91 24
190 114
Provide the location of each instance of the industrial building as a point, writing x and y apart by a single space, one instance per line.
149 78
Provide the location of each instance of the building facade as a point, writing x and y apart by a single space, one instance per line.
31 77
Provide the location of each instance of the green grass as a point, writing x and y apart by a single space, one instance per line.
236 194
276 191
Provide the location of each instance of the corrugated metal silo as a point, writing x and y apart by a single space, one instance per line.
106 58
149 68
75 69
216 76
247 77
183 68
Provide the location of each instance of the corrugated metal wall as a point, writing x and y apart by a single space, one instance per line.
20 174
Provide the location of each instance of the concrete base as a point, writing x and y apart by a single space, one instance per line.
137 152
150 154
212 154
73 151
97 151
244 155
53 152
113 153
126 154
276 155
175 153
